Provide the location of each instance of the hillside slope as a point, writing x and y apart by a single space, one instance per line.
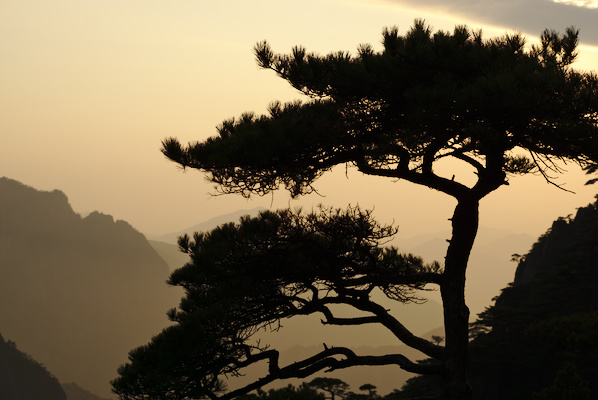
546 322
22 378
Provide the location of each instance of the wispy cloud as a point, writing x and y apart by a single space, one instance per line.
529 17
579 3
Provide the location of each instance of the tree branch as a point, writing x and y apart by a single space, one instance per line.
381 316
471 161
398 329
450 187
538 160
332 320
326 360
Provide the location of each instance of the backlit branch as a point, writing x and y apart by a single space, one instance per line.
378 315
545 163
327 360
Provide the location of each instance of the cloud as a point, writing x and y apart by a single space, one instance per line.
529 17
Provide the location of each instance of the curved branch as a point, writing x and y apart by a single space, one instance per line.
332 320
398 329
471 161
319 305
429 179
326 360
430 155
380 315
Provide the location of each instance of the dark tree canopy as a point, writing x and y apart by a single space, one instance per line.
495 105
394 113
248 276
290 392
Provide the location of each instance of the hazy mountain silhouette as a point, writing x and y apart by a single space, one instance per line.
76 293
23 378
490 267
75 392
166 247
170 253
206 225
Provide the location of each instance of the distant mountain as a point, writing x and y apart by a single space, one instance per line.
76 293
75 392
490 267
170 253
166 245
23 378
207 225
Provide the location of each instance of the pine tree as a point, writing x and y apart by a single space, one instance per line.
494 105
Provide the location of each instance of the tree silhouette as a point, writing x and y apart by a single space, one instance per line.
371 389
290 392
494 105
333 386
437 339
248 276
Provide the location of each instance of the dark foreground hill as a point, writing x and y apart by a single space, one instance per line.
76 293
22 378
543 329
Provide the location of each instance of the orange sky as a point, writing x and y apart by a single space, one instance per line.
88 89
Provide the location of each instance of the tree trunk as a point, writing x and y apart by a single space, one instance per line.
456 314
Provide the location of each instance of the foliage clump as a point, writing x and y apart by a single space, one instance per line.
248 276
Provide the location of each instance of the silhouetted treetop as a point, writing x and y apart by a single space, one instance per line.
274 266
332 245
290 392
334 386
424 97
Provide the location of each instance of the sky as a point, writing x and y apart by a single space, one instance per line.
89 89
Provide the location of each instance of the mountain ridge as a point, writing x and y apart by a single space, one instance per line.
71 288
206 226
